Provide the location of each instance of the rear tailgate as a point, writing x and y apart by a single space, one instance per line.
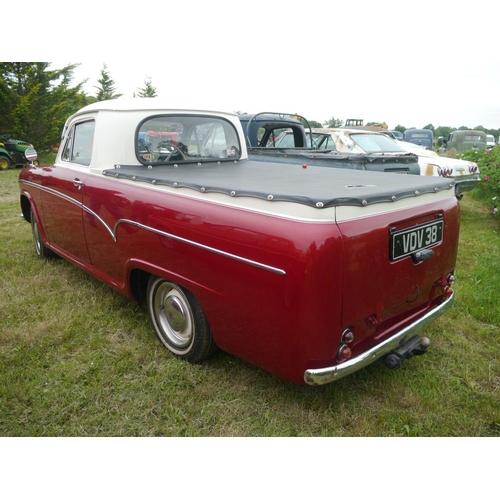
394 261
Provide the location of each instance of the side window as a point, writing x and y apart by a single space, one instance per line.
261 132
78 145
329 144
282 137
323 141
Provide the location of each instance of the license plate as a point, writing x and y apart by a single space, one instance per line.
411 240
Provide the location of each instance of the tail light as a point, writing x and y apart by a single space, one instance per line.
344 352
445 284
347 336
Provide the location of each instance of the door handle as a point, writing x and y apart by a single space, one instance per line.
78 183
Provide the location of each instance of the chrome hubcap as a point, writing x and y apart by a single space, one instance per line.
174 316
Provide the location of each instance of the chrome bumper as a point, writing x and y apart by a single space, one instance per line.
320 376
467 184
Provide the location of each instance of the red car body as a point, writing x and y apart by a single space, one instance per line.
279 280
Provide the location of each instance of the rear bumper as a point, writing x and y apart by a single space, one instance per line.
463 185
320 376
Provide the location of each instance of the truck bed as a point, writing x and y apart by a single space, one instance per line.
309 185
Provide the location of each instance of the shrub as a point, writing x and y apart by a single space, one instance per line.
488 161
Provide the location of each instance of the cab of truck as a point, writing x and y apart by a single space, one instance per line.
421 137
463 140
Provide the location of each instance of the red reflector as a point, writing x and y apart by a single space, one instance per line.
344 353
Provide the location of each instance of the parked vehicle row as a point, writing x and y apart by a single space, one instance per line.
464 173
273 137
286 135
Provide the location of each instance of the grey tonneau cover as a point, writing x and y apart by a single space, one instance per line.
313 186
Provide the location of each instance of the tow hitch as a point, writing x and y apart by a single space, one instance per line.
416 346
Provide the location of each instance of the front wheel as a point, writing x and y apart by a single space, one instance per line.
179 321
41 250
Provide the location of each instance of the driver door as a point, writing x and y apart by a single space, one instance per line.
63 184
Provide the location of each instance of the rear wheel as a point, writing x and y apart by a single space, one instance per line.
4 163
179 321
41 250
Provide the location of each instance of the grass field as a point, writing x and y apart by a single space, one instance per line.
77 359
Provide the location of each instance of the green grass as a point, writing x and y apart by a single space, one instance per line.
77 359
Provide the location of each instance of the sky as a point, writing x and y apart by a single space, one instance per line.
402 63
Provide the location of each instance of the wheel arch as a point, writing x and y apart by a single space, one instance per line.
138 284
139 271
26 206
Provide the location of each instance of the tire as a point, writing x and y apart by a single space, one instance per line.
179 321
41 250
4 163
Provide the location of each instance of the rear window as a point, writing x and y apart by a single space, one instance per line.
176 139
375 143
419 136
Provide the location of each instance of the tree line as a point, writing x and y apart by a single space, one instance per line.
36 100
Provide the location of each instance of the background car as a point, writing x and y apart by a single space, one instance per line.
397 134
463 140
464 173
422 137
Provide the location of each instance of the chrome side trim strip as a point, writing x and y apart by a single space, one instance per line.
71 200
320 376
200 245
108 229
112 232
52 191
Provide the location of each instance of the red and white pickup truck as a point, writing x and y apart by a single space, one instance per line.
310 273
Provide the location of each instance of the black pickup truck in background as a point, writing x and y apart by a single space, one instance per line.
263 129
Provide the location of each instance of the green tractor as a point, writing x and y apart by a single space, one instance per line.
13 153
